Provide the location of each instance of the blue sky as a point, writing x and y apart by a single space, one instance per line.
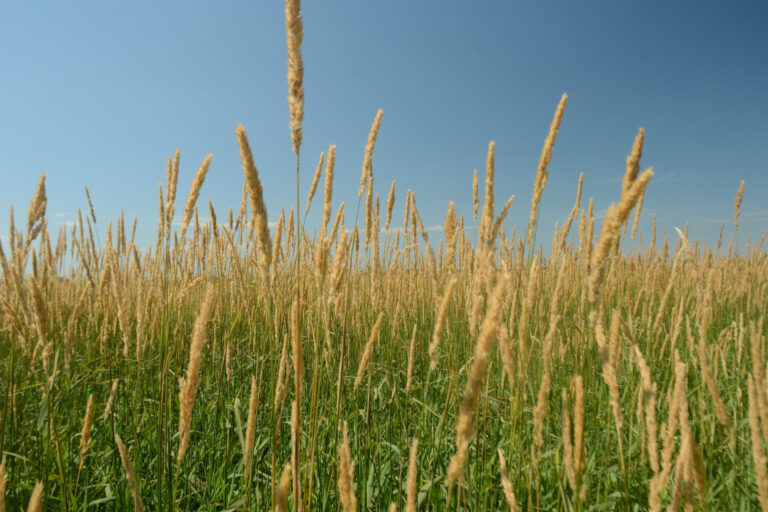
100 93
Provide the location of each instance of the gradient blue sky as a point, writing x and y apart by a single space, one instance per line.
100 93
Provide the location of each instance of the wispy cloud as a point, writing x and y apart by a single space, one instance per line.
601 213
673 177
61 214
435 228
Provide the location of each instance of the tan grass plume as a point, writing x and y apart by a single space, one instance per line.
368 155
294 35
36 499
368 350
259 209
542 173
464 427
130 475
346 476
188 385
194 192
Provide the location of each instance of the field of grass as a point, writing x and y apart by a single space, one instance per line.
234 367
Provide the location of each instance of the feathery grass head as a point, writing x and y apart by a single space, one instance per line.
328 189
368 350
737 206
85 433
188 385
346 476
390 204
464 427
486 217
194 192
36 499
295 34
412 478
171 183
36 211
283 490
367 169
633 161
542 173
90 205
315 181
258 208
250 431
130 475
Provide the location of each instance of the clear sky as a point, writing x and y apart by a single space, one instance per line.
100 93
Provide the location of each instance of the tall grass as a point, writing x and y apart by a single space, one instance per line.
622 378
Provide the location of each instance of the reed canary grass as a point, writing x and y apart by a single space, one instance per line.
487 214
194 192
171 184
572 215
412 478
36 499
346 476
614 219
633 161
649 400
298 358
3 483
283 491
737 206
259 210
337 221
367 169
294 35
36 211
509 493
295 441
442 314
189 384
411 353
369 213
85 433
281 377
499 221
250 431
568 464
542 172
464 428
328 190
110 399
450 225
315 181
368 350
540 410
130 475
579 452
709 380
390 204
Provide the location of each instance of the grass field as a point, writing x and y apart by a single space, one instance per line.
366 367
